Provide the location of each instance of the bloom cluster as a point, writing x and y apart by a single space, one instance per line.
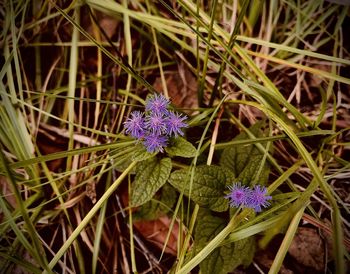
245 197
156 125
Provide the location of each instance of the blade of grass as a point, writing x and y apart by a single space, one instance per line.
36 249
89 216
26 266
124 65
302 52
72 79
160 64
273 138
234 222
132 246
219 79
98 74
287 241
313 71
99 230
128 46
206 55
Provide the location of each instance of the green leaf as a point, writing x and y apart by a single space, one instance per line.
245 161
123 157
156 208
236 158
208 187
249 174
225 258
151 175
181 147
141 154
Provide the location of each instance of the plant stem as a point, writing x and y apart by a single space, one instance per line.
213 243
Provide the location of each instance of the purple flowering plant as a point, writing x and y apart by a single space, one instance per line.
243 196
135 126
156 125
157 104
238 195
161 129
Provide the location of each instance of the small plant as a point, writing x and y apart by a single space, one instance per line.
205 185
154 127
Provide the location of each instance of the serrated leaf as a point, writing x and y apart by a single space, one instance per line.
181 147
155 209
249 174
235 157
151 175
244 249
245 161
225 258
138 153
121 163
208 187
141 154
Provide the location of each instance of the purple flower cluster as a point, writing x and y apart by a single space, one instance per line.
156 125
245 197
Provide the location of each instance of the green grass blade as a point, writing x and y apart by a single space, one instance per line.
89 216
288 238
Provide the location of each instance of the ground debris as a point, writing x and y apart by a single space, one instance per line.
308 248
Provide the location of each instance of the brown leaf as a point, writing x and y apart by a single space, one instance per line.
308 248
265 259
6 192
108 23
156 232
91 191
182 88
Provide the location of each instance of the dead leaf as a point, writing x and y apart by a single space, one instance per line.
308 248
156 232
182 88
265 259
108 23
6 192
91 191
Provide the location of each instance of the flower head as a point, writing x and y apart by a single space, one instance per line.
245 197
156 123
154 142
238 195
157 104
258 198
135 126
174 124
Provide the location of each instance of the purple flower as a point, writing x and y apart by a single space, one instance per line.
258 198
155 123
154 142
135 126
238 196
174 123
245 197
157 104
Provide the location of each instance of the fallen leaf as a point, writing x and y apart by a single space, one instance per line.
265 259
156 232
6 192
182 88
308 248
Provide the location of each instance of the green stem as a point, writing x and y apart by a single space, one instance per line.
282 251
213 243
